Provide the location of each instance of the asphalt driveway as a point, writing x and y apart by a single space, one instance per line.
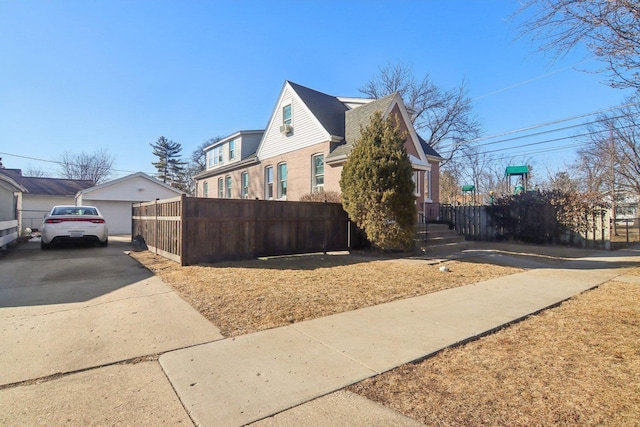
72 309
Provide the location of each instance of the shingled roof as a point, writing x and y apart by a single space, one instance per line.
355 119
47 186
329 111
428 149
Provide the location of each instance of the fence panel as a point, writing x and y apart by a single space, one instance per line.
193 230
541 226
625 231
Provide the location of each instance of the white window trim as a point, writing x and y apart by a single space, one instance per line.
428 186
242 187
228 187
315 188
279 180
220 188
416 182
284 103
266 182
232 153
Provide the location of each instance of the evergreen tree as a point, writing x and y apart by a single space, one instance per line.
170 167
377 185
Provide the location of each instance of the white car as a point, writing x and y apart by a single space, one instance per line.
73 223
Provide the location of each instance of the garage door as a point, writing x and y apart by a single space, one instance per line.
117 215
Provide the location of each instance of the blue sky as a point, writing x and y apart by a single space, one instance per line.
79 75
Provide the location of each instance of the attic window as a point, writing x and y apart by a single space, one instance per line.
286 114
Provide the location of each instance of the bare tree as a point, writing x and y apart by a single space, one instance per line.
609 29
35 172
95 167
609 161
449 186
444 118
625 129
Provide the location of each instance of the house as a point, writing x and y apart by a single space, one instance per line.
10 206
115 198
41 194
226 157
302 150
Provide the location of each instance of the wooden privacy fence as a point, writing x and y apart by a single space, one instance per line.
539 226
192 230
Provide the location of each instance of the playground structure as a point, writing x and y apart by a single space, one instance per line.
522 182
466 189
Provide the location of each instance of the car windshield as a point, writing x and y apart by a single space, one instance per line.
74 210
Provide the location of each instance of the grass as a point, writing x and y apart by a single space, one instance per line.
576 364
248 296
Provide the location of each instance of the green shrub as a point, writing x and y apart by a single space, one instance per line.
377 186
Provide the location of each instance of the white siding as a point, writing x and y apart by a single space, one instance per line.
135 189
245 145
306 129
7 204
116 214
34 208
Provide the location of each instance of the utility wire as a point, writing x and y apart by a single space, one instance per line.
60 163
553 122
495 92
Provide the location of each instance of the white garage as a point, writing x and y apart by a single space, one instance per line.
114 198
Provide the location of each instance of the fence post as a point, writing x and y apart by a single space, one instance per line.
184 258
155 239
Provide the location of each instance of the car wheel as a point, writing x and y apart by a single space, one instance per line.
104 244
44 246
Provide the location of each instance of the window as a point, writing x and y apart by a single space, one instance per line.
427 185
232 149
220 188
282 181
317 184
228 181
245 185
268 183
209 157
205 189
286 114
416 183
217 155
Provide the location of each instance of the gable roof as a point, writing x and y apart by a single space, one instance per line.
428 149
355 119
126 178
10 184
47 186
329 111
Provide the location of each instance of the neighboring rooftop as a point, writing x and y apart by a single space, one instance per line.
47 186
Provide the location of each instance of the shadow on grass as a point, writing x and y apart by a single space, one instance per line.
299 262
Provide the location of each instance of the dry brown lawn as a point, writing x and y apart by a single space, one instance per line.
576 364
246 296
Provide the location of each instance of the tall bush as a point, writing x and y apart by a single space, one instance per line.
377 185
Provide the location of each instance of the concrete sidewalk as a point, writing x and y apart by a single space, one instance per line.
80 331
241 380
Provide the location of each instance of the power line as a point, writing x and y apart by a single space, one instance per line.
59 162
591 133
495 92
553 122
530 135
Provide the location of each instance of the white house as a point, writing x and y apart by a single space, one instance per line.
41 194
10 206
115 198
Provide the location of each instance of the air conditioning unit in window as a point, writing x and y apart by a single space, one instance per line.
285 129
